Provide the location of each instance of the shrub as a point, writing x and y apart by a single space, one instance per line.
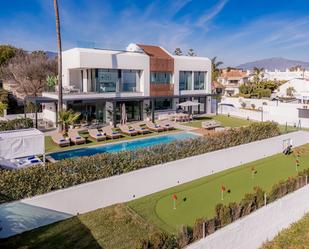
243 104
157 240
198 229
253 106
184 236
62 174
15 124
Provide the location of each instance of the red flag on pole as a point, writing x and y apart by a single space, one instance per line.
174 197
222 188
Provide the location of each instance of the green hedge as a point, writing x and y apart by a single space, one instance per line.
15 124
38 180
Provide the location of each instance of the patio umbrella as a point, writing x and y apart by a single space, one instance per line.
123 114
189 104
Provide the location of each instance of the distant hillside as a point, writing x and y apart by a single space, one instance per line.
51 55
274 63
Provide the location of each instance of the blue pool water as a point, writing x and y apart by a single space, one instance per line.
130 145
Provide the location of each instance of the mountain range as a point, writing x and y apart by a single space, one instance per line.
274 63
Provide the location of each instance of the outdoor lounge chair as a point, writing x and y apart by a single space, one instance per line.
108 132
210 125
139 129
95 134
154 127
128 131
75 137
60 140
167 125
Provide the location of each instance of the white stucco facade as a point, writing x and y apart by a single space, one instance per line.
285 75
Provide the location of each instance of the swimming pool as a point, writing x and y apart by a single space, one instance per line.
129 145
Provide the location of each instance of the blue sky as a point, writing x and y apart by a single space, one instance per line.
234 30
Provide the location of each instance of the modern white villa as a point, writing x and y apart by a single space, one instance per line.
285 75
147 79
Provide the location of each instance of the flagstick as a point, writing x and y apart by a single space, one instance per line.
174 201
222 196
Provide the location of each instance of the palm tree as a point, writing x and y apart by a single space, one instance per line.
60 97
67 118
215 68
258 74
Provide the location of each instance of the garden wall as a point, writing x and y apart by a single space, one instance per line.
264 224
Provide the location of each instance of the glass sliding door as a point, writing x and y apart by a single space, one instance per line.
107 80
185 80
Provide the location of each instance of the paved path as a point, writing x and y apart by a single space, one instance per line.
90 196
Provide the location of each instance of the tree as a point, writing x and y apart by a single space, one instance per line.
51 81
290 91
215 68
191 52
60 96
6 53
177 51
258 74
27 72
67 118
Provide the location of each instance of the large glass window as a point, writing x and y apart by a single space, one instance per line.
185 80
163 104
199 80
161 77
107 80
129 81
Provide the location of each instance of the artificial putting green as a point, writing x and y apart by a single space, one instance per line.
198 198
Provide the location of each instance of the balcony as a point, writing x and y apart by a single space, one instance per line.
159 89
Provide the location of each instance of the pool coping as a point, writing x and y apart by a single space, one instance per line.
52 160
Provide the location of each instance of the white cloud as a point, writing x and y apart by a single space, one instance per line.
210 14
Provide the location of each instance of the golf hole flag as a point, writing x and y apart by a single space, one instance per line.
174 197
222 192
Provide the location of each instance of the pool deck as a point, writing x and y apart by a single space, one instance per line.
121 188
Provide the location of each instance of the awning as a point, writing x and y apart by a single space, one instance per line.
21 143
189 103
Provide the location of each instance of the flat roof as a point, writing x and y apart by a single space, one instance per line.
20 133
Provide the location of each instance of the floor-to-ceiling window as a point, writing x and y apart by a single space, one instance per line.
185 80
199 80
133 111
90 110
163 104
129 80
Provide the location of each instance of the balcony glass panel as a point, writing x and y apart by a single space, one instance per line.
199 80
185 80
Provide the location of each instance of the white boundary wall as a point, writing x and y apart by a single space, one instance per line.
264 224
282 113
90 196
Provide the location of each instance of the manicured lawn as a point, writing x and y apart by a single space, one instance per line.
50 146
108 228
224 120
198 198
295 237
234 122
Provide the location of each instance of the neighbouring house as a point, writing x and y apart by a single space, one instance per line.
297 88
231 79
278 75
148 80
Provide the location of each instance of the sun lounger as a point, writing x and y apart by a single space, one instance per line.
167 125
60 140
154 127
139 129
108 132
210 125
75 137
95 134
127 130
